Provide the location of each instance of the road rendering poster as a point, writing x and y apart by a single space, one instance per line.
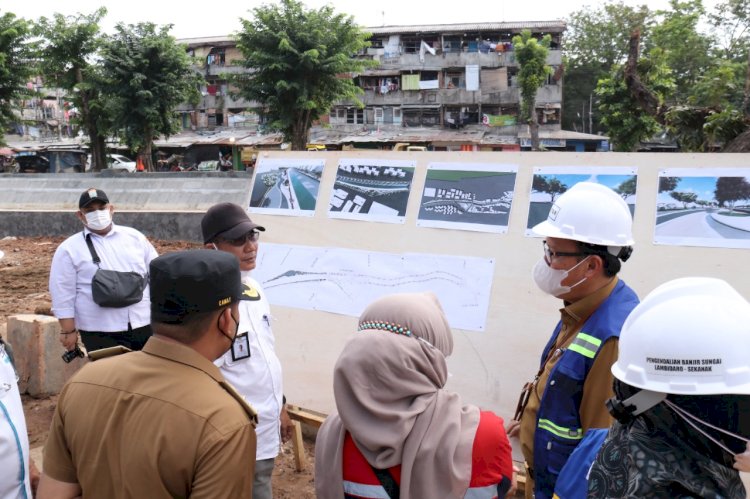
549 183
473 197
376 190
286 186
345 281
703 207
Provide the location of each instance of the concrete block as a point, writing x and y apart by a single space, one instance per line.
37 351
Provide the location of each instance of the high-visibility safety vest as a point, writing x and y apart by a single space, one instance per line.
491 465
558 429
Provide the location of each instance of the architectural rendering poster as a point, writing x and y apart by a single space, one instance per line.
345 281
286 186
467 196
703 207
371 189
550 182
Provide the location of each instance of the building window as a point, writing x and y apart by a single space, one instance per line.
455 79
355 116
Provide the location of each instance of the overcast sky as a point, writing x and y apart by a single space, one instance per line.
193 18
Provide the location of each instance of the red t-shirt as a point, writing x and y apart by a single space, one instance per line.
491 461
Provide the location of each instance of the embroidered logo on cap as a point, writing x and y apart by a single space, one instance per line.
92 193
225 301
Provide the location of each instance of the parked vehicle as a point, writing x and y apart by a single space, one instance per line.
116 162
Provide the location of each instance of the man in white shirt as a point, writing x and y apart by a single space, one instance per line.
251 365
119 248
18 475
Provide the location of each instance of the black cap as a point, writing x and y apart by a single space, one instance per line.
227 220
193 281
90 195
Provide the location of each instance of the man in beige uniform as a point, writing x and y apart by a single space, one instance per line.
161 422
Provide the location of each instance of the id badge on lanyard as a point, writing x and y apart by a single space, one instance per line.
241 347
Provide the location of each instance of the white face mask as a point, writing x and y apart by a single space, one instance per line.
550 280
98 219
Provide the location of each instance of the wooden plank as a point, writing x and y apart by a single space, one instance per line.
299 448
305 416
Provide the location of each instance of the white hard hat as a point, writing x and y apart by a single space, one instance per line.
689 336
590 213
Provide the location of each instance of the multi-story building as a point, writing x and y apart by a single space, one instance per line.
451 75
431 82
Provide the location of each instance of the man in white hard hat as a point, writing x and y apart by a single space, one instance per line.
587 234
682 396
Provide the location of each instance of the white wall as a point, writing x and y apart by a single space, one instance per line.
487 368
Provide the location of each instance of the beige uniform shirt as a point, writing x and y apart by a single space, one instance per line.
152 424
597 387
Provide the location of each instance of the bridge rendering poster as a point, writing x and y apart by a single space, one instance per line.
345 281
474 197
375 190
703 207
549 183
286 186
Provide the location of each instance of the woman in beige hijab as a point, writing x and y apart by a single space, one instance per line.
397 432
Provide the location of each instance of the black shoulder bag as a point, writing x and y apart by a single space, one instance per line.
114 289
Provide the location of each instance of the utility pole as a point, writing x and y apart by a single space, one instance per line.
583 116
591 102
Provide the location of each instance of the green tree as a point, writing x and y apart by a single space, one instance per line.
627 188
684 197
553 186
67 47
299 61
16 56
531 55
596 39
667 184
146 75
729 190
687 52
623 113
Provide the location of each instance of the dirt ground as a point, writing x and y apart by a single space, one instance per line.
24 275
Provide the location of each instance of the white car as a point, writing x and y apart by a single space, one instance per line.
116 162
120 162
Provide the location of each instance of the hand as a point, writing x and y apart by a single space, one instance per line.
286 426
513 483
742 461
513 428
69 340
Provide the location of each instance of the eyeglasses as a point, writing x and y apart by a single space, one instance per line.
549 254
251 236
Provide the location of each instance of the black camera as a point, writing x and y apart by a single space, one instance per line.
72 354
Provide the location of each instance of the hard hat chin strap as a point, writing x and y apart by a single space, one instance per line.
626 410
693 420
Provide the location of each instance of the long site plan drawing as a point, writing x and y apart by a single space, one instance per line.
345 281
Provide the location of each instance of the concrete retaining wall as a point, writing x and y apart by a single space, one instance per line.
161 205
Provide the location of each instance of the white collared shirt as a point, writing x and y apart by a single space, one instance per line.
123 249
14 441
258 377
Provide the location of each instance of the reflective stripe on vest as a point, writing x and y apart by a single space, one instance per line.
485 492
560 431
365 491
586 345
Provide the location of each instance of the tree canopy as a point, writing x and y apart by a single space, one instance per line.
16 64
68 48
146 76
533 71
301 62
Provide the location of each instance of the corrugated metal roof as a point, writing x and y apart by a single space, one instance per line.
563 135
551 26
207 40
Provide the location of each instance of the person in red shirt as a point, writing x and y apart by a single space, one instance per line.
397 431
